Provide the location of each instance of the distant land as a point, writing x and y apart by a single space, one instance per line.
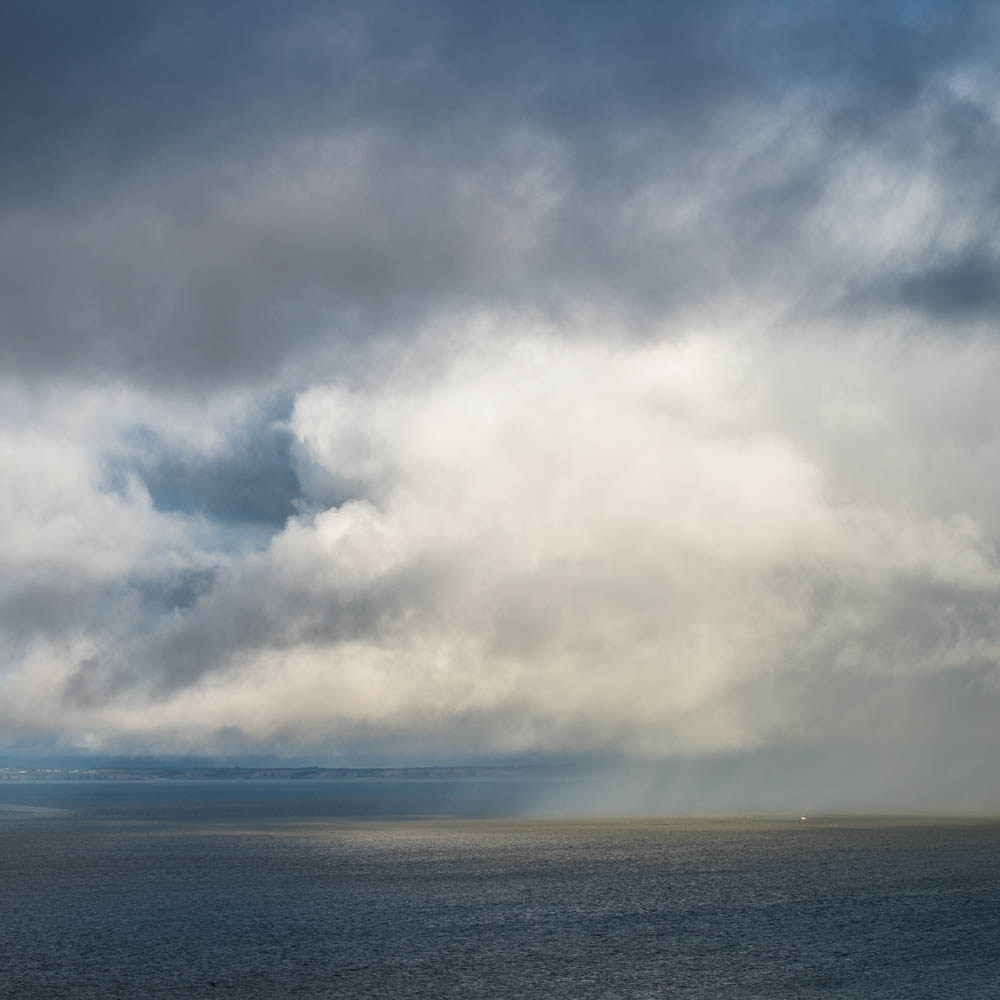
273 773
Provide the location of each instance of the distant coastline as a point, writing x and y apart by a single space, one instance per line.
278 773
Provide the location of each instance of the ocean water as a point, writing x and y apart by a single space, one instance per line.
361 889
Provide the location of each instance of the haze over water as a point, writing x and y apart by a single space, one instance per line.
419 889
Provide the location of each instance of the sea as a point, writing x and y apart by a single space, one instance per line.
438 888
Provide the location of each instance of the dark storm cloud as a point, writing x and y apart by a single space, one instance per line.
205 191
117 76
965 288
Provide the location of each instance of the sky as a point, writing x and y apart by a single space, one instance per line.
434 382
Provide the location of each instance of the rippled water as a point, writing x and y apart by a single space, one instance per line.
204 891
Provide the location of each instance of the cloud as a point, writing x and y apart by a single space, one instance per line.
414 380
535 544
316 181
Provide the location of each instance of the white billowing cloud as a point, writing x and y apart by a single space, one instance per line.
524 542
88 562
63 501
69 535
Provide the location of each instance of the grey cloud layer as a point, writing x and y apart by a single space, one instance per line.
205 192
413 380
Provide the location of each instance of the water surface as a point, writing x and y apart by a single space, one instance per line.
375 889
